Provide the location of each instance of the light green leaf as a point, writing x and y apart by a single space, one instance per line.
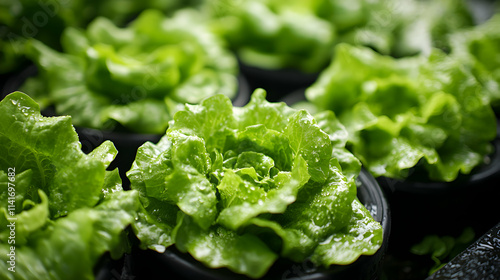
218 247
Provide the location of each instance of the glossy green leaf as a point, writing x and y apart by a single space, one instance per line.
362 236
67 207
218 247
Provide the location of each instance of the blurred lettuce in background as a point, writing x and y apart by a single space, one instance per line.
300 34
133 76
274 34
45 21
409 27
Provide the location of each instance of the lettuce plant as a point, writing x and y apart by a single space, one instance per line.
274 34
64 208
45 21
479 48
425 111
406 28
133 76
240 187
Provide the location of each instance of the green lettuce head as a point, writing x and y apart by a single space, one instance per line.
240 187
66 210
407 28
479 48
133 76
399 113
274 34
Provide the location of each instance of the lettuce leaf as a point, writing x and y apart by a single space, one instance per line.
64 204
426 111
219 247
222 180
131 76
71 246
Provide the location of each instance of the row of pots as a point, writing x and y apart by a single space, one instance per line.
418 208
152 265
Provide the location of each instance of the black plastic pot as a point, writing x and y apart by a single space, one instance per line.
125 142
278 83
173 264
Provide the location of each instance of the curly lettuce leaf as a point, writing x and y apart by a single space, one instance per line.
156 219
320 211
49 147
192 121
72 245
222 180
362 235
310 142
67 207
428 111
133 76
218 247
258 111
248 200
